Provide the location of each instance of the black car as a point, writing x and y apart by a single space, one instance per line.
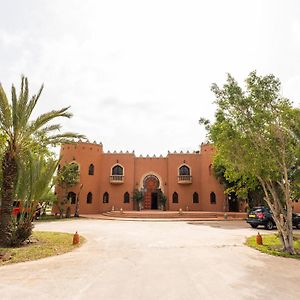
262 215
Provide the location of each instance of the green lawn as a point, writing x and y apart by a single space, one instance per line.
44 244
271 245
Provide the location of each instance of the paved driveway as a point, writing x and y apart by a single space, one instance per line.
154 260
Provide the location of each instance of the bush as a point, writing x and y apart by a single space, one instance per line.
21 231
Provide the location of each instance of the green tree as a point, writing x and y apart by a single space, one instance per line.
236 185
21 134
35 180
68 176
256 133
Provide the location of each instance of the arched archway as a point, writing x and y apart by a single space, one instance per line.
151 189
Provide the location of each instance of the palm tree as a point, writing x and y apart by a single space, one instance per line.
23 135
35 180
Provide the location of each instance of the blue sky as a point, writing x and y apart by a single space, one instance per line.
137 74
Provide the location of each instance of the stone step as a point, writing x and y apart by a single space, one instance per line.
151 214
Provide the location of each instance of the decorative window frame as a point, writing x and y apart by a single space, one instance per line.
117 164
184 165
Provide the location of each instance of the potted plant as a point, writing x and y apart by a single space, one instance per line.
162 200
138 197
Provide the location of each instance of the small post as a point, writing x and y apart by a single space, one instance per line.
76 238
259 240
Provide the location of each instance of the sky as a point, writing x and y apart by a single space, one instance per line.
137 74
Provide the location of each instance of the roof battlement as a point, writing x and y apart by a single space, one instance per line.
86 144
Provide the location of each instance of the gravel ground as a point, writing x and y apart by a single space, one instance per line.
154 260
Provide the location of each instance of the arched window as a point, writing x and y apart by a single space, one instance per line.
184 170
117 170
105 197
210 169
89 198
213 198
72 197
195 198
91 169
175 197
126 197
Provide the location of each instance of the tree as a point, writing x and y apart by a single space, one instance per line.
35 180
76 213
236 185
22 135
257 134
68 176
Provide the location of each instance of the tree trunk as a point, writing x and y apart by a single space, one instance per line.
282 215
285 232
9 169
76 214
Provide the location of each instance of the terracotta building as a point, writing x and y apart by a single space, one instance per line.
108 180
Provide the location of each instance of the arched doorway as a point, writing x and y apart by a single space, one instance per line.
151 192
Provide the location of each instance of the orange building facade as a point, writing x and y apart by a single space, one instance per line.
108 180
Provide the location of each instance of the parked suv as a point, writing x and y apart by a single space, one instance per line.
262 215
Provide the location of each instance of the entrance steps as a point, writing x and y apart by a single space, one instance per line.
173 215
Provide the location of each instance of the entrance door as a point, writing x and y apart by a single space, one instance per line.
154 198
151 185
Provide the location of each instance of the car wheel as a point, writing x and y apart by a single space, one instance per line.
253 225
269 225
298 225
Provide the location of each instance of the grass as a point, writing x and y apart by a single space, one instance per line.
44 244
271 245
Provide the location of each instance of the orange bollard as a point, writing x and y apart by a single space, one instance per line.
76 238
259 240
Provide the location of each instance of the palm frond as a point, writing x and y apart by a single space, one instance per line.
5 111
32 103
47 117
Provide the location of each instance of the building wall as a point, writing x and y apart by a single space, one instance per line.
135 170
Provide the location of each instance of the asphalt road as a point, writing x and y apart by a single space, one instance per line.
154 260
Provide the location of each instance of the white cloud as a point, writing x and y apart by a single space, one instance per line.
138 74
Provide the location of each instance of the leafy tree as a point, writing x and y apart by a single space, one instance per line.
68 176
48 200
21 134
237 185
256 133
